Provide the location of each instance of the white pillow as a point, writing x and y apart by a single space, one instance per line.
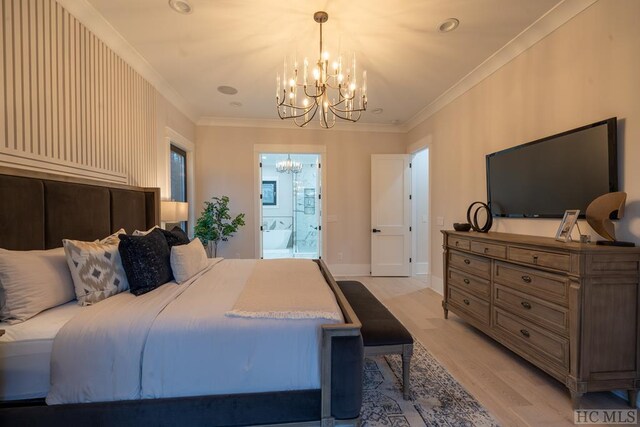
188 260
144 233
31 282
96 268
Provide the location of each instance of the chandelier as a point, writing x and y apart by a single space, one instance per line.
333 90
289 166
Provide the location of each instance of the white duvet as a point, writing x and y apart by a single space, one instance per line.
176 341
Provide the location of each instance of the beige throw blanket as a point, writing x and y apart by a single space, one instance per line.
286 289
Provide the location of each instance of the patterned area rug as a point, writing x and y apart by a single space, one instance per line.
436 398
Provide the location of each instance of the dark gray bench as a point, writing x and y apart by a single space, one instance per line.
381 332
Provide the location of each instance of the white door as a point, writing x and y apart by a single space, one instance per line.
390 215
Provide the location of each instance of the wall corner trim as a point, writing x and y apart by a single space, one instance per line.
91 18
541 28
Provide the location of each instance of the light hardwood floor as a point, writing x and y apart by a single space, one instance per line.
513 390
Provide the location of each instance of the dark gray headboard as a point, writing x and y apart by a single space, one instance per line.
38 210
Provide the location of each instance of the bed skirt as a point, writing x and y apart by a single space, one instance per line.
220 410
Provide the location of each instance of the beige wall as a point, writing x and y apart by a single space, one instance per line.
71 105
225 166
587 70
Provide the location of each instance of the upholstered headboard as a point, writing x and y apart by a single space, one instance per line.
38 210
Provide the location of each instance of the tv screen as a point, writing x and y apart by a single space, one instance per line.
543 178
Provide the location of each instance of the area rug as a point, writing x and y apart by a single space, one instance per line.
436 398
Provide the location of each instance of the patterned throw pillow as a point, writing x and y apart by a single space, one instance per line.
96 268
139 233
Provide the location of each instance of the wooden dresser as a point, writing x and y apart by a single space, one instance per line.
571 309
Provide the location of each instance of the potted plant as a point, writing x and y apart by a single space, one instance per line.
216 225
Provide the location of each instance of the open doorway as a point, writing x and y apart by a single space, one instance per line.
290 214
421 220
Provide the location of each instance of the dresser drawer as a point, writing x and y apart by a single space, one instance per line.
556 260
459 243
546 314
471 264
491 249
532 339
469 304
469 283
550 287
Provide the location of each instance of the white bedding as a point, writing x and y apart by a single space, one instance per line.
25 352
182 344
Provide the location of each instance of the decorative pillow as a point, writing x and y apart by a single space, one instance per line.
138 233
175 237
146 260
188 260
31 282
96 268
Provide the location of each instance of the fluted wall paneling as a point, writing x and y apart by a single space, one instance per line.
68 103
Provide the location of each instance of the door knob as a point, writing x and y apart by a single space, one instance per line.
375 230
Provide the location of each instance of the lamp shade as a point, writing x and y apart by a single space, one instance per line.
171 211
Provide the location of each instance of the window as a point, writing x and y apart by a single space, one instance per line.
178 164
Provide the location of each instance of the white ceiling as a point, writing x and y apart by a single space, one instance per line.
242 43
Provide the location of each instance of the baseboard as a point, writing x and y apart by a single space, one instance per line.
437 284
346 270
421 268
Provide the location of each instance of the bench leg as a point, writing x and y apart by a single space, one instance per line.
407 352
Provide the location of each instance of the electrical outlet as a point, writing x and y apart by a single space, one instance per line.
440 221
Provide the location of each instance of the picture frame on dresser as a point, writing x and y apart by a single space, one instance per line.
569 220
571 309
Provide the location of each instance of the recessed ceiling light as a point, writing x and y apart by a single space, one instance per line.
227 90
181 6
449 25
236 104
377 111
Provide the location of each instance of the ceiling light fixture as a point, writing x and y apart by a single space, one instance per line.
449 25
227 90
289 166
181 6
300 101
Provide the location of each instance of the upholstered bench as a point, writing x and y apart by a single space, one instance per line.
381 332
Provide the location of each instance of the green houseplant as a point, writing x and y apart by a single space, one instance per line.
216 225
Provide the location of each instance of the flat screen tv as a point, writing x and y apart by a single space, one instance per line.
543 178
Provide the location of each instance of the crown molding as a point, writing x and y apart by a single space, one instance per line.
287 124
89 16
541 28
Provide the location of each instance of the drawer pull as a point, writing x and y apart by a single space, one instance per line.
535 259
526 279
467 261
466 281
466 301
457 243
525 333
526 305
486 250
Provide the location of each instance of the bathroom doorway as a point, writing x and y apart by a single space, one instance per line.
291 214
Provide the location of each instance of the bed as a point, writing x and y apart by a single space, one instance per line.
315 376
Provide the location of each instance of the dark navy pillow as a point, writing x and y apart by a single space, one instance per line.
146 261
175 237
